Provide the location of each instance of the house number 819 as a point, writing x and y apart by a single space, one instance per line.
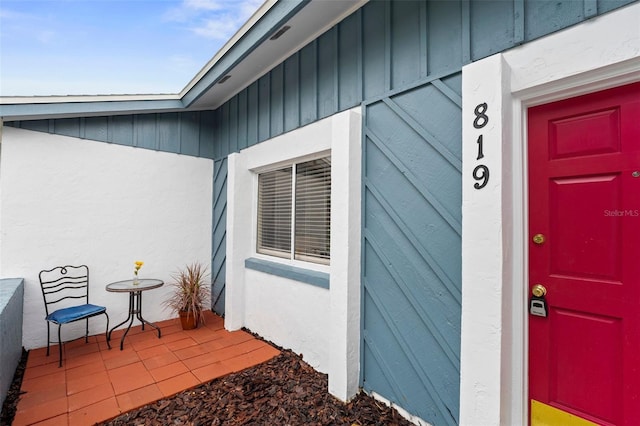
480 172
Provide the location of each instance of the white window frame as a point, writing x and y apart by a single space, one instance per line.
340 136
304 258
314 266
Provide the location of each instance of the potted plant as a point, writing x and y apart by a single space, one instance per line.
191 294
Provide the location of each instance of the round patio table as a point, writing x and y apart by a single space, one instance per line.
135 302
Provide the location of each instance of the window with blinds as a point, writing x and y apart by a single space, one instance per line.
296 201
274 212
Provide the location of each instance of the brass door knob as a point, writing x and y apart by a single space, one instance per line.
539 290
538 239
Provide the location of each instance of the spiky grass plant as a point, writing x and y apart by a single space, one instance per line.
191 291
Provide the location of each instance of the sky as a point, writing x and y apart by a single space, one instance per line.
105 47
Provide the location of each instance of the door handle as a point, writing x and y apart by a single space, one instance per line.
539 290
539 239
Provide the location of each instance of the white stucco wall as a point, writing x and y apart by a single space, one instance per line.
321 324
601 53
70 201
289 313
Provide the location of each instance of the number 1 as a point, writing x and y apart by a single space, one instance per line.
480 153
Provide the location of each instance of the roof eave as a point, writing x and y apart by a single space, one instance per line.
16 109
267 20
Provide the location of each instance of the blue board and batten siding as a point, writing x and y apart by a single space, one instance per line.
411 248
401 60
188 133
219 231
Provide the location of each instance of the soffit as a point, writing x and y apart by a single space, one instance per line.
314 19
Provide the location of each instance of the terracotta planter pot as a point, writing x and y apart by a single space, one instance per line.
188 320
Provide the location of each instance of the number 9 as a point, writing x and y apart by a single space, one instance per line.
481 174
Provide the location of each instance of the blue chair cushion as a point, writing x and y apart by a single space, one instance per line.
74 313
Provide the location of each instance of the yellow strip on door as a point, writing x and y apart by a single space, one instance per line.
546 415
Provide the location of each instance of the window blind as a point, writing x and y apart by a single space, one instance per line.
274 212
296 201
313 210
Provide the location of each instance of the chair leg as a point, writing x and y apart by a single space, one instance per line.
48 336
86 333
106 334
59 346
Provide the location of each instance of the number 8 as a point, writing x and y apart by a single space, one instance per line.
481 119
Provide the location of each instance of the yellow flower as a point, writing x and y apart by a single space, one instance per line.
138 264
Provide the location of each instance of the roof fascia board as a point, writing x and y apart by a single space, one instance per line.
271 21
10 100
34 111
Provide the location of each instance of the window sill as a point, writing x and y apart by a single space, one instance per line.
307 276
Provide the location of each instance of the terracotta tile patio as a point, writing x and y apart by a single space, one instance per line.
96 384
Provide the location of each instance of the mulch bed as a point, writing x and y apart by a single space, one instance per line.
13 394
282 391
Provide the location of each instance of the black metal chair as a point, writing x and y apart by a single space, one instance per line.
61 286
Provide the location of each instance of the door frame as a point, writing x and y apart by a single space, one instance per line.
494 335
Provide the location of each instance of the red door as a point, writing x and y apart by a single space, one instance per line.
584 249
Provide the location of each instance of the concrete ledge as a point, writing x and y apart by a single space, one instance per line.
11 298
319 279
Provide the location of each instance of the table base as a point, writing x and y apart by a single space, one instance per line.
135 311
